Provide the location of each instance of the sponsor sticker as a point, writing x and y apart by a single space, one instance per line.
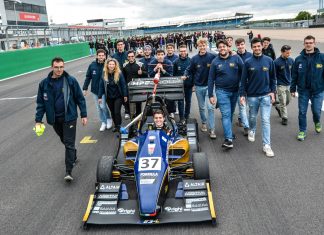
264 68
200 209
149 164
164 139
123 211
173 209
147 181
151 221
200 193
150 148
107 196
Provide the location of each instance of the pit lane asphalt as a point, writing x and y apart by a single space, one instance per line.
253 194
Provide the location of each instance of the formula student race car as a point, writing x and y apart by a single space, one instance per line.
156 176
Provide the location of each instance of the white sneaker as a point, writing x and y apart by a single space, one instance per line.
251 136
268 151
204 128
109 123
127 116
103 127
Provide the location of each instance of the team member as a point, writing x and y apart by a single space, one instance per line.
121 56
199 71
170 53
268 48
179 68
225 76
160 63
132 70
244 54
91 46
259 85
58 97
114 87
93 76
230 40
159 122
283 66
308 78
146 60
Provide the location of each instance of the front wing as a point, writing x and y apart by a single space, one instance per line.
191 202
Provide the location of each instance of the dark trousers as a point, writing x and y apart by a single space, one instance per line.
115 110
184 106
126 105
66 131
171 106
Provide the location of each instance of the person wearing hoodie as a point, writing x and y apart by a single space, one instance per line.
93 76
258 84
121 56
170 53
268 48
224 76
179 67
308 81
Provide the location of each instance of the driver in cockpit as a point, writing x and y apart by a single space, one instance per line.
159 122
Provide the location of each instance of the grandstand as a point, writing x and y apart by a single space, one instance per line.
204 24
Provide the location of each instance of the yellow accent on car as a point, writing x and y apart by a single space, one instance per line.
180 146
87 213
211 202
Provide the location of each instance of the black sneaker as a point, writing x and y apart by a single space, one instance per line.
246 131
228 144
68 176
278 110
284 121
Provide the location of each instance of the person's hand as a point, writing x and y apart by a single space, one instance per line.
125 99
293 94
272 95
183 77
84 121
85 92
242 100
99 101
212 100
193 89
140 72
39 128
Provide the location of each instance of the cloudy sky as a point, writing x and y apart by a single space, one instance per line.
151 11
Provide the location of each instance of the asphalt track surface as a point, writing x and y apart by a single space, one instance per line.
253 194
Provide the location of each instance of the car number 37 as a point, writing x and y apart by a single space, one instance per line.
149 164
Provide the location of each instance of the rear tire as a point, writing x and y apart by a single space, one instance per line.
200 165
104 169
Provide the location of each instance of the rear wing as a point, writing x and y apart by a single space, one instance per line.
170 88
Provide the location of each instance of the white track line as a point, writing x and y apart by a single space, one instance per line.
18 98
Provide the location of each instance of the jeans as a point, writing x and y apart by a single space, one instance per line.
227 102
243 113
184 106
283 95
101 108
317 100
264 103
202 97
92 52
66 131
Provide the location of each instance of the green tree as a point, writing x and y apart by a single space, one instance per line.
303 15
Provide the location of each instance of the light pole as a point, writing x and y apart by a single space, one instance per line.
15 2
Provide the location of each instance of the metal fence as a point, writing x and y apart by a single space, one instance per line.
20 37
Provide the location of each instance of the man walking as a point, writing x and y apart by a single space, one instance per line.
258 84
93 76
225 76
308 81
199 71
58 97
283 66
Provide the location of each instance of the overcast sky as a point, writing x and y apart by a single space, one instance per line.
150 11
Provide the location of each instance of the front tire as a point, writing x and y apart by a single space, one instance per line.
104 169
200 165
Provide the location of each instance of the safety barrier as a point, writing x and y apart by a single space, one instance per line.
17 62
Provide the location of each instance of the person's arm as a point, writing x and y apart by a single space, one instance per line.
101 90
79 99
242 90
87 80
294 78
40 105
211 80
151 71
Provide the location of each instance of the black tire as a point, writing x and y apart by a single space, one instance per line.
200 165
104 169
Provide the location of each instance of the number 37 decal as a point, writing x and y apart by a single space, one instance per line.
149 164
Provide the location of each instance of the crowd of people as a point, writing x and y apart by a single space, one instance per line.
252 81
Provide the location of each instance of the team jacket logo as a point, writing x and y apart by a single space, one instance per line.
220 66
300 66
283 67
265 68
208 65
232 65
198 66
94 72
319 66
45 96
252 69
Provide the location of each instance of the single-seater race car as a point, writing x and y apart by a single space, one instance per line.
156 176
